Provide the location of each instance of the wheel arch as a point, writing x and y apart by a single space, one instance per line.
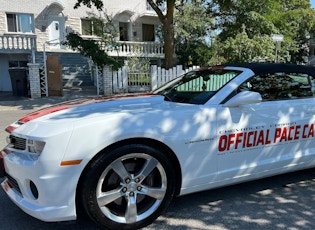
145 141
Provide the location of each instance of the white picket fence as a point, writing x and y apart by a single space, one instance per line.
124 81
160 76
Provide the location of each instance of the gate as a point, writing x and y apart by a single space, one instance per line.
139 82
125 81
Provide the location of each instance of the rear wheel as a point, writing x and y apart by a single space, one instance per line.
128 187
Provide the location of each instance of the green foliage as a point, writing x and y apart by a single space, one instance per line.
104 33
92 49
241 48
191 22
245 28
136 64
138 70
195 54
292 18
191 29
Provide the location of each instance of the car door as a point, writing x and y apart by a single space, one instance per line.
273 136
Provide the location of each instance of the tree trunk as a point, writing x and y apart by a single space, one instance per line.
168 30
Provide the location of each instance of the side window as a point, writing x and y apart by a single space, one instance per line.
23 23
280 86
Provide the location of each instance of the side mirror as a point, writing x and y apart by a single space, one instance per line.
243 98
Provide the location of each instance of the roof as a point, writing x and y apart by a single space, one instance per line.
263 68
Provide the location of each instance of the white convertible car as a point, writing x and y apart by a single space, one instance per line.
121 160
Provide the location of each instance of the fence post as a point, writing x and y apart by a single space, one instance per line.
174 73
116 81
96 79
108 81
159 74
124 78
179 71
154 77
167 75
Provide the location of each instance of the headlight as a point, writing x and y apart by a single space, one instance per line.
35 146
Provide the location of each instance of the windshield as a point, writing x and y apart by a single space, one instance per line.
196 87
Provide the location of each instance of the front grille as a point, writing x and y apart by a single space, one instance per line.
17 142
13 183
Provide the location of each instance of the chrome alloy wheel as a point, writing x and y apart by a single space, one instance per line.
131 188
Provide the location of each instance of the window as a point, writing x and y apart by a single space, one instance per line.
148 33
151 33
23 23
91 26
123 31
280 86
87 27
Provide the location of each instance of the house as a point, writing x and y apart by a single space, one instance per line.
29 29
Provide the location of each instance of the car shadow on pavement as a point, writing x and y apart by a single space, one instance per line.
280 202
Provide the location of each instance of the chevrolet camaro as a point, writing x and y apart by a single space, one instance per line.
121 160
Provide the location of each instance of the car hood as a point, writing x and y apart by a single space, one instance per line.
94 105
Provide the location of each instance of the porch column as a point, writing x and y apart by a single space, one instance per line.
33 70
107 81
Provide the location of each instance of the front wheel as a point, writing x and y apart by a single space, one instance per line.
128 187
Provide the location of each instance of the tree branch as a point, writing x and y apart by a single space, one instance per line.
157 10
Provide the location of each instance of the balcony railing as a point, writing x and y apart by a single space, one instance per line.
139 49
17 43
27 43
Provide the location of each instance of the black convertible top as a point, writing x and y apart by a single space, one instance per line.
264 68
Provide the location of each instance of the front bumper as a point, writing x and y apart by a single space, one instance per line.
42 189
49 214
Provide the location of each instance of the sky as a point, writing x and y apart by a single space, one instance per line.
313 3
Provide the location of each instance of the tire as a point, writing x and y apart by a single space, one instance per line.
128 187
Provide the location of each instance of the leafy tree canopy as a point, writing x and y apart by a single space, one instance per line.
191 29
292 18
